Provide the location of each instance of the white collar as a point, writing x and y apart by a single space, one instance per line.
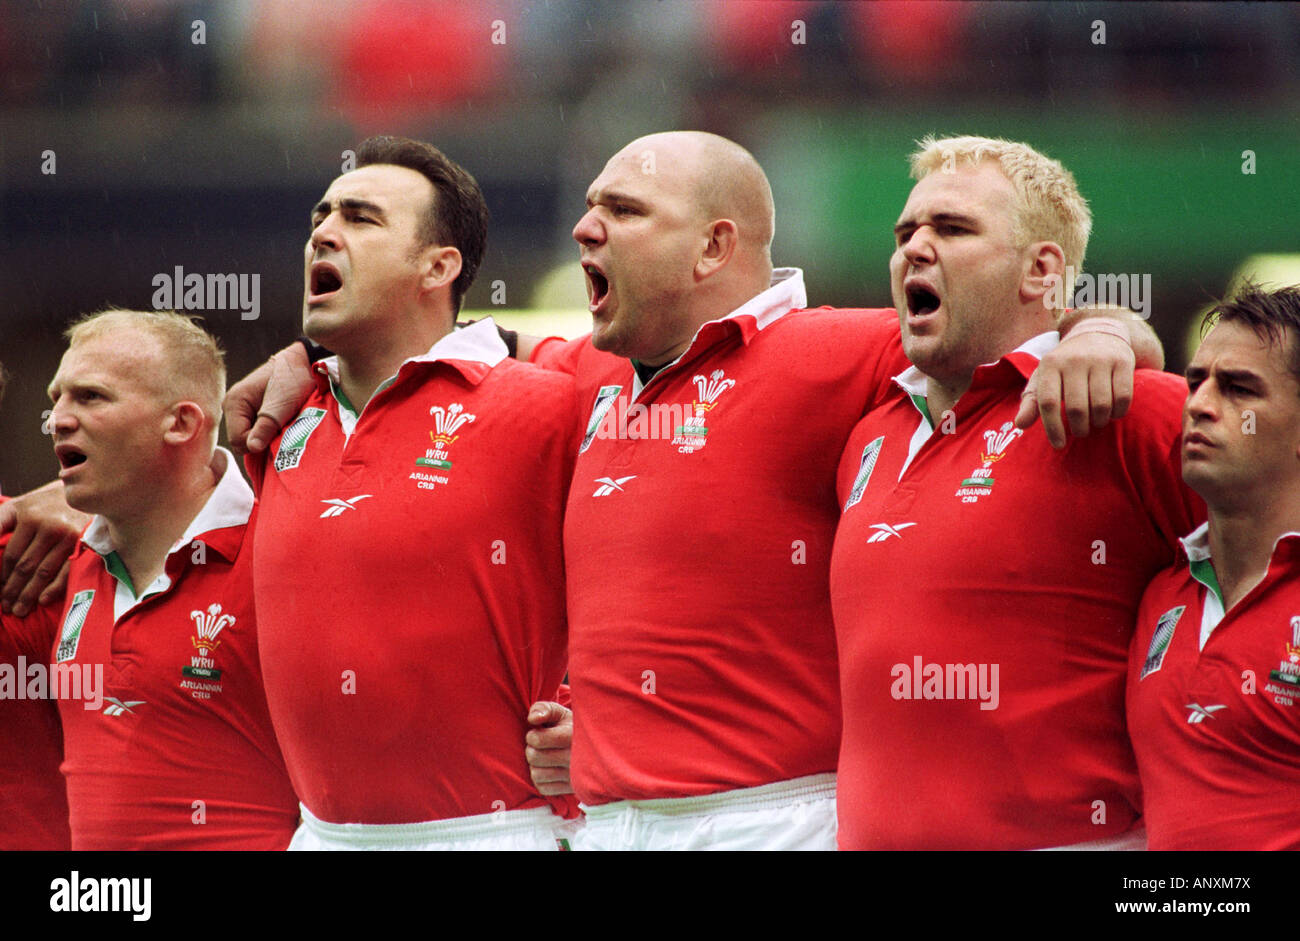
479 342
1196 544
784 293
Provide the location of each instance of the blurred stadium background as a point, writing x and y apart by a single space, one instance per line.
208 155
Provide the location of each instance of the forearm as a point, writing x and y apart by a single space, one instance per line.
1147 350
526 344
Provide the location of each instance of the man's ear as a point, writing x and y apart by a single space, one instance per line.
185 422
1044 273
722 238
441 267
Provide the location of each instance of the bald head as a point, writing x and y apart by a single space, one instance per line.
677 232
723 179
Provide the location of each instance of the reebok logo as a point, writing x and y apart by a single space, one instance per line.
116 706
1201 713
884 531
336 506
608 485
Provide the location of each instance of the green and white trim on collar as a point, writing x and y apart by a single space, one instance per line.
1196 545
917 386
479 342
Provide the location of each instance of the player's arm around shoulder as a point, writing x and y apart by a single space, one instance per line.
552 420
38 532
857 331
1158 398
553 353
1150 445
837 346
33 634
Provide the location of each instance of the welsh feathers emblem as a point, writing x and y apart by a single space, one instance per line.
447 421
997 441
709 389
207 625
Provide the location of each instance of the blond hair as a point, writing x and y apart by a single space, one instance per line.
1049 206
192 367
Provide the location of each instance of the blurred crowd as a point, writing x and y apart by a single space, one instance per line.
427 54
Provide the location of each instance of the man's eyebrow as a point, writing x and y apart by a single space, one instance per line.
948 218
70 385
322 208
612 196
1228 374
1239 375
957 217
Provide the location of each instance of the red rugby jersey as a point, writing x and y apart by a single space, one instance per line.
698 538
178 751
1216 729
984 602
410 584
33 798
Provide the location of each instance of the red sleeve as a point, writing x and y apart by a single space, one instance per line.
566 805
872 336
33 801
255 468
1151 442
889 359
559 354
31 636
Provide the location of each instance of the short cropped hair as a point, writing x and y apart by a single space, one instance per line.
458 213
196 365
1273 315
1049 206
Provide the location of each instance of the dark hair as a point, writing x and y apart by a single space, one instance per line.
458 214
1269 313
4 378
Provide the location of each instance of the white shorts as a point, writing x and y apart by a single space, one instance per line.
1132 840
789 815
536 828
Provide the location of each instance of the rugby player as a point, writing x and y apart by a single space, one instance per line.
985 583
410 579
1214 671
167 739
